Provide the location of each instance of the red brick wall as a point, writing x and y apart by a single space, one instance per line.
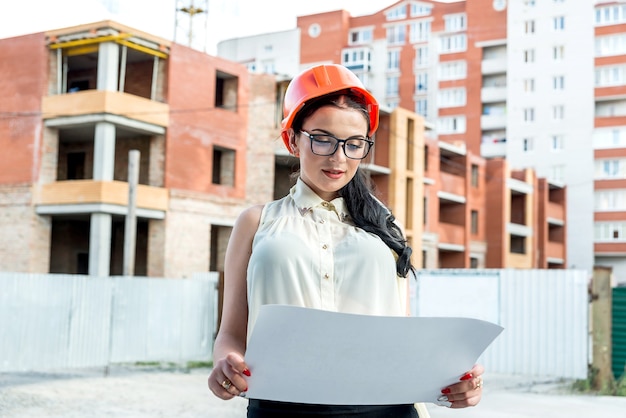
23 82
196 125
328 45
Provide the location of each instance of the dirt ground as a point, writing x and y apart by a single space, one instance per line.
140 392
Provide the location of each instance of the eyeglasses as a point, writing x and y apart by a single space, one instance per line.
325 144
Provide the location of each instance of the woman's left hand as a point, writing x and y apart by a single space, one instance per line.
467 392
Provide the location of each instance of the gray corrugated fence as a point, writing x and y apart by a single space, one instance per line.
56 321
544 314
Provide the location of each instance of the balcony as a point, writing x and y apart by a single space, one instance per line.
489 122
555 251
493 94
555 213
451 184
91 102
88 196
452 236
493 149
494 66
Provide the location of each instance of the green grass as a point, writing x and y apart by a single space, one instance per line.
613 387
201 364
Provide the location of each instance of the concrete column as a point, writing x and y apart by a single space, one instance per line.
104 151
100 244
103 163
108 66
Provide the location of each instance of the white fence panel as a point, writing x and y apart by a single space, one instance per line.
544 314
56 321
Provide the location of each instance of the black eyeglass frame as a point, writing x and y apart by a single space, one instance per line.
343 142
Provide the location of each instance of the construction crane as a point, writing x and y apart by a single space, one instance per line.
191 11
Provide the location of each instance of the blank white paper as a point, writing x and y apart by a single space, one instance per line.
312 356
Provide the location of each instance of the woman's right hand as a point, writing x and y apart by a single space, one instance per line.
227 377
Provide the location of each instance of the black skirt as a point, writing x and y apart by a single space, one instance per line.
272 409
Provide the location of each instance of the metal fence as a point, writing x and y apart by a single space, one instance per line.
545 315
57 321
618 333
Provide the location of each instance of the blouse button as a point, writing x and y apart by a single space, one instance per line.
326 276
325 247
322 221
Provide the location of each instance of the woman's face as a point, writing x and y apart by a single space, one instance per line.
326 175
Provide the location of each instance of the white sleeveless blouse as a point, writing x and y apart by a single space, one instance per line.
306 252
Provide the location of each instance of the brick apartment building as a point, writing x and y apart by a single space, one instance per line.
446 62
76 100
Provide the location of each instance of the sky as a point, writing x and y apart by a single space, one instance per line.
226 19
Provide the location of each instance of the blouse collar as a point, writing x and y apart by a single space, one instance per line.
306 200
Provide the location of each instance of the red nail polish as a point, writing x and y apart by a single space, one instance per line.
467 376
246 372
446 391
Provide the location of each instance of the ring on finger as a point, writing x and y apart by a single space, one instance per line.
226 384
479 384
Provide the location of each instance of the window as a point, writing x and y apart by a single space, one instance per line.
392 103
529 114
529 55
268 67
528 144
558 53
421 107
529 27
609 231
421 56
392 86
556 173
453 43
517 244
610 169
610 45
361 36
420 31
610 200
556 142
452 70
393 60
455 23
473 262
558 23
610 75
529 85
558 82
420 10
226 86
558 112
396 35
421 82
451 125
397 13
611 15
474 174
474 222
451 97
223 166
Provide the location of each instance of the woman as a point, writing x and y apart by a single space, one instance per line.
329 244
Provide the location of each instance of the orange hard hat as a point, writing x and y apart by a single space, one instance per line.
319 81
